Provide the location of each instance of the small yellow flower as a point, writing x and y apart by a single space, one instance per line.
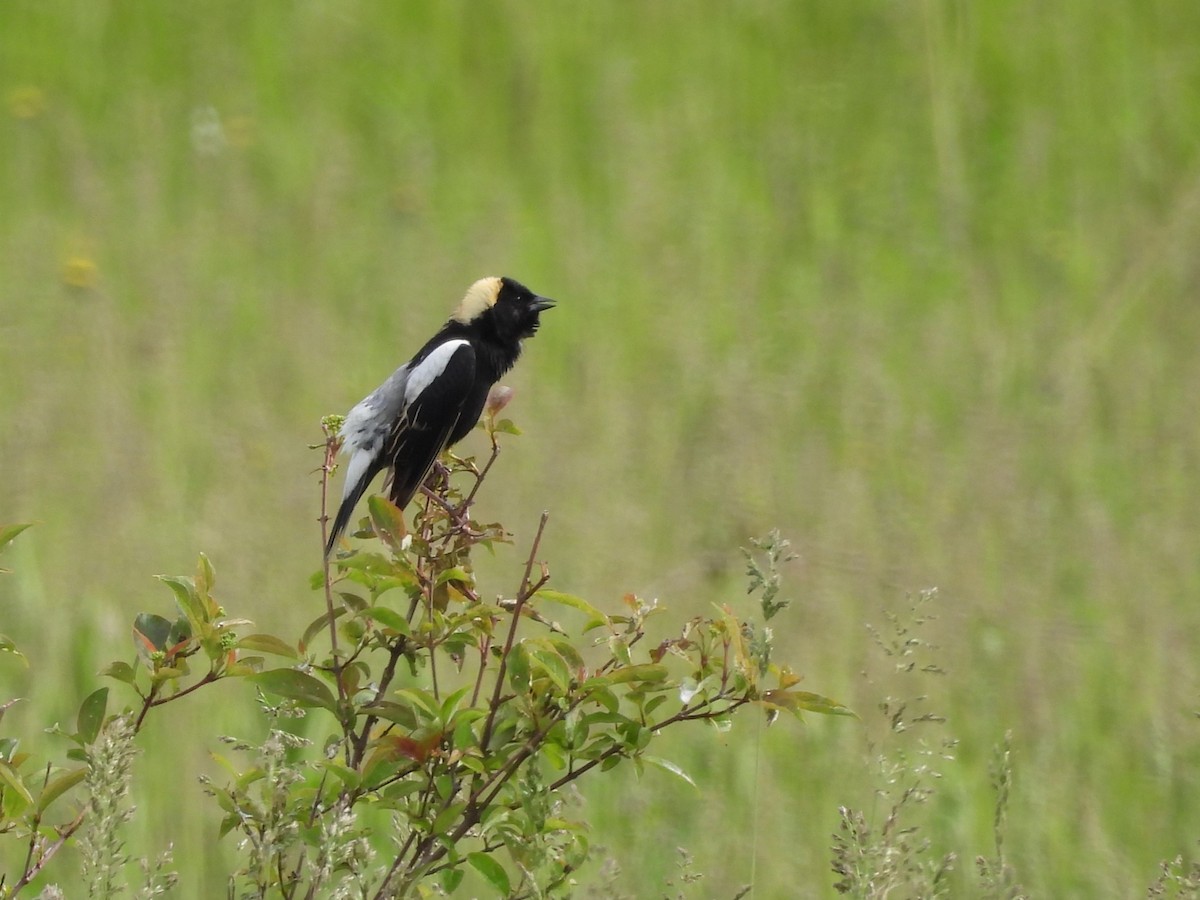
79 272
26 102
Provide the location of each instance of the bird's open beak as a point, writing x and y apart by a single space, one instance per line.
542 303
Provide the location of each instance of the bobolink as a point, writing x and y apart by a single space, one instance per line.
433 400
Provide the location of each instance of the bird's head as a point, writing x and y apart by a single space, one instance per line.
511 307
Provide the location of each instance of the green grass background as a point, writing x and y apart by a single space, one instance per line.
915 282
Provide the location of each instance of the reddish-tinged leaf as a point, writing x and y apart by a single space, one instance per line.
396 746
153 631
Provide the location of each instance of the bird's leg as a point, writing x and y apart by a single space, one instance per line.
458 513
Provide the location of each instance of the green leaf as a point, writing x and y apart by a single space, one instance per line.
16 796
455 574
543 656
447 818
400 713
486 865
4 707
451 879
506 426
450 704
667 766
818 704
388 521
268 643
58 787
595 618
121 671
517 665
205 576
319 624
348 777
353 602
296 685
8 532
421 702
186 598
245 665
388 618
91 715
644 672
7 646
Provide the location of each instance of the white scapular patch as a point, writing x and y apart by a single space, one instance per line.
429 369
369 423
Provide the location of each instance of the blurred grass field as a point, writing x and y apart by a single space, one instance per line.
916 283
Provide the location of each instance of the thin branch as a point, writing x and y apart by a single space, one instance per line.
522 596
49 853
332 445
385 680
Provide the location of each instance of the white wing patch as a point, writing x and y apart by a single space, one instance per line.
429 369
369 424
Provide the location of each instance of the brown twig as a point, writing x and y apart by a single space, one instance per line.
522 596
49 853
332 445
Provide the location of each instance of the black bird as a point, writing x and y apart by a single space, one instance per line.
433 400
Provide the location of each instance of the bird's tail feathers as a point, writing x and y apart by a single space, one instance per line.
346 510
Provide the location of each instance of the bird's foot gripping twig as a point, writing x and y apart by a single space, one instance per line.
458 515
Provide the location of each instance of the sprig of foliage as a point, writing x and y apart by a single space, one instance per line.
461 720
877 859
108 778
763 570
996 876
451 721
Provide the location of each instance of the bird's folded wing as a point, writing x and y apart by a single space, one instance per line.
438 389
